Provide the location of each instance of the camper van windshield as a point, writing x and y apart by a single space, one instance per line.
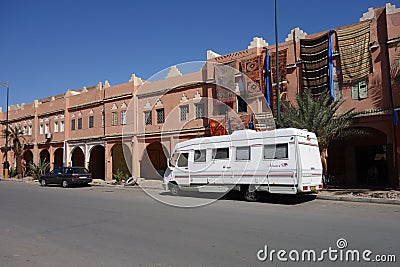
183 160
173 159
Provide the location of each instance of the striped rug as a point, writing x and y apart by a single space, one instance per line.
282 64
282 69
314 63
355 56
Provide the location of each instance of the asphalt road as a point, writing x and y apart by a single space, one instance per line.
95 226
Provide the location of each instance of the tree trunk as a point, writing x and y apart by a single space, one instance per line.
18 159
324 161
18 151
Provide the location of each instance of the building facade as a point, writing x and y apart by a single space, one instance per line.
134 126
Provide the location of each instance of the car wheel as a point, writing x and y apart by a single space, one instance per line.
174 189
250 194
64 184
43 182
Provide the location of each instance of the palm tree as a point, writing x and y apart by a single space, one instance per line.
17 139
319 115
39 169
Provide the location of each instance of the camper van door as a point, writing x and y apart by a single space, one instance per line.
220 163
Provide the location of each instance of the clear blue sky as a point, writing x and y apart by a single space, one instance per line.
48 46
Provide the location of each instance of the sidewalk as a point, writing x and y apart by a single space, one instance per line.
389 196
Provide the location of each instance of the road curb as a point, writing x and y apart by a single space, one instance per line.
138 186
107 185
359 199
12 180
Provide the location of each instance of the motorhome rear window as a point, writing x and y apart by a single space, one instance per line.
200 155
278 151
243 153
220 153
183 160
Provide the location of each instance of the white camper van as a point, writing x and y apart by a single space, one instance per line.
284 161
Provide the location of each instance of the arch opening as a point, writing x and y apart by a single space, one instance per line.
154 161
362 160
97 161
27 161
59 158
121 159
78 158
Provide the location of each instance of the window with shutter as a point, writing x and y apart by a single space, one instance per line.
354 91
160 116
359 90
79 123
123 117
184 112
114 118
73 125
199 110
147 117
362 89
91 121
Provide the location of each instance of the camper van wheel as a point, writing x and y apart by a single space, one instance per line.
250 195
174 189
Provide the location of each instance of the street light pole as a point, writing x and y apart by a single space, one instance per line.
278 87
6 165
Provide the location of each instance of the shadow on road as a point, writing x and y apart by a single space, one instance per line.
287 199
237 196
69 186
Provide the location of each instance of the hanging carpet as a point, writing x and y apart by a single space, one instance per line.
315 63
253 70
355 56
282 68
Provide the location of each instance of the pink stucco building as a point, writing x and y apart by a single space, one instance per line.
134 126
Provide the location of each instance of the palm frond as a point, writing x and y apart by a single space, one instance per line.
395 68
319 115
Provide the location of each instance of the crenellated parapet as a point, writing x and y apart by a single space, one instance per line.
257 43
391 9
296 34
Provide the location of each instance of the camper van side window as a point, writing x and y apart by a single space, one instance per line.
183 160
220 153
200 155
278 151
243 153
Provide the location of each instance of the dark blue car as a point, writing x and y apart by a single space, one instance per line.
66 176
